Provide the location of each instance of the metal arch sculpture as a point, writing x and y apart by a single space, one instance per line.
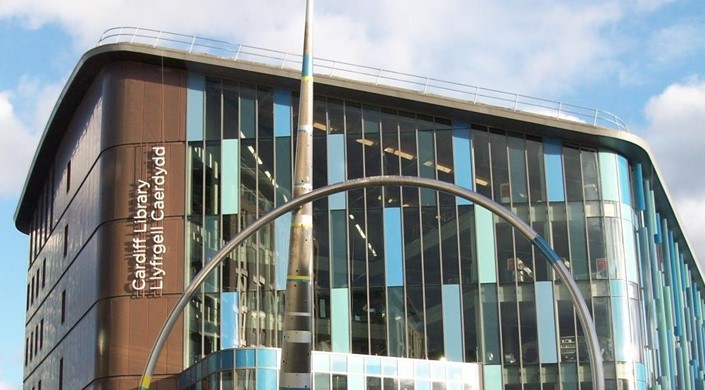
586 322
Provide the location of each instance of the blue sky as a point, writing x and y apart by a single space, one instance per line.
643 60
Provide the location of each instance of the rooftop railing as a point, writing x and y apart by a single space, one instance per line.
376 76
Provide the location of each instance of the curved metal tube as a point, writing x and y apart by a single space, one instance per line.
597 370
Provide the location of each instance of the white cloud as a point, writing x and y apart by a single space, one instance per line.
17 145
23 115
676 132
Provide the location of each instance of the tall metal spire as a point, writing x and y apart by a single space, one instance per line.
297 345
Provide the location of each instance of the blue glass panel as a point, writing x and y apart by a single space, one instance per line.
546 322
266 379
282 230
462 158
422 385
229 307
244 358
226 359
452 326
340 320
373 366
282 113
492 377
394 270
554 169
267 358
608 176
194 106
339 363
624 182
389 367
658 236
639 199
484 226
336 168
231 176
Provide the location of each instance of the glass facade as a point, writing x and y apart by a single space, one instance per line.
411 273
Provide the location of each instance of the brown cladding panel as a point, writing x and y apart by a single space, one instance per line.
147 104
129 327
117 264
123 166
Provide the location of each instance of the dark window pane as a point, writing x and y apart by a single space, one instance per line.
534 158
591 178
573 177
231 111
481 150
213 109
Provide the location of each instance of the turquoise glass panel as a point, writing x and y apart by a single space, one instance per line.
282 113
336 168
462 157
621 321
266 379
229 307
282 230
356 364
230 160
394 268
340 320
492 377
625 190
194 106
639 199
546 322
554 169
630 251
452 326
266 358
484 228
356 382
608 176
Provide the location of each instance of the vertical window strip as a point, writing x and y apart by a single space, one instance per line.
282 113
452 326
394 271
624 180
608 176
484 229
230 176
462 158
554 169
195 101
546 325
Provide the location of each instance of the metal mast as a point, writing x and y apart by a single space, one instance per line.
295 370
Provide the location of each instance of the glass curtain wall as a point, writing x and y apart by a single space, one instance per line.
409 272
